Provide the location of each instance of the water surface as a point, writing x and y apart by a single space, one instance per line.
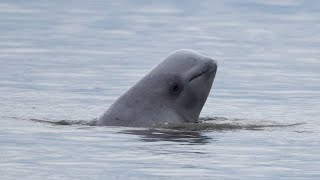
71 59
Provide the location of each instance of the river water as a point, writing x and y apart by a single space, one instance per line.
69 60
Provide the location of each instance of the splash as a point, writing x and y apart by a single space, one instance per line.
67 122
222 123
204 124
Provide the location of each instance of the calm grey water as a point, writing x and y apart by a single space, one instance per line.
72 59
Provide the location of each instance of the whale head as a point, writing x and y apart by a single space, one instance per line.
174 91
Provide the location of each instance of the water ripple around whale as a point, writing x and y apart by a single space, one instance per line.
204 124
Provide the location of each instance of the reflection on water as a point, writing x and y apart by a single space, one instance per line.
189 133
152 135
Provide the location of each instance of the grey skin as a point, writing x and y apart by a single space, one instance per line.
172 92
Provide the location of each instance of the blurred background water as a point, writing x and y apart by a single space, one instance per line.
72 59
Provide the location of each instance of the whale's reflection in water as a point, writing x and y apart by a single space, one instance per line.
191 133
153 135
194 132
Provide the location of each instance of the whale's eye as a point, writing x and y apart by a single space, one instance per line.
174 85
175 88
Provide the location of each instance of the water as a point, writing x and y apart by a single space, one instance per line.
71 59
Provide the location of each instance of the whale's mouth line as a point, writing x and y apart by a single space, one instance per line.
201 73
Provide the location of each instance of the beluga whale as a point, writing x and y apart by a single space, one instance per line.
174 91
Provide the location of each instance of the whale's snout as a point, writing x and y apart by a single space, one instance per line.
207 68
212 63
215 62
